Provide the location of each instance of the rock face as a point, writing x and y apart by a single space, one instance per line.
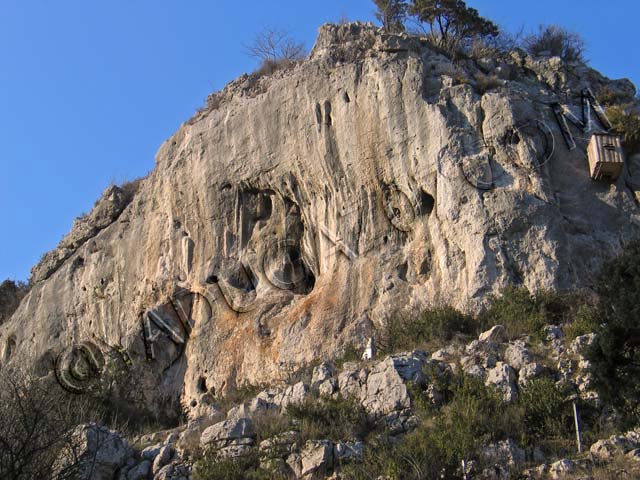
96 452
295 213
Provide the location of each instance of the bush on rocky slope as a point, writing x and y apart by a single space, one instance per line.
452 23
625 121
440 324
556 41
515 308
36 423
11 294
615 356
333 418
521 312
240 468
459 430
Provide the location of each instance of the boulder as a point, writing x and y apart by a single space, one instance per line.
603 450
294 462
528 372
633 436
321 373
506 452
316 458
399 421
581 343
189 438
565 367
323 379
240 448
327 388
174 471
446 354
386 389
496 334
97 450
164 457
503 377
634 454
279 446
472 366
562 468
584 382
223 434
409 365
151 452
552 332
504 72
352 381
238 411
294 394
344 452
140 472
486 64
517 355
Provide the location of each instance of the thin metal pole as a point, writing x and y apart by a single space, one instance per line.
575 417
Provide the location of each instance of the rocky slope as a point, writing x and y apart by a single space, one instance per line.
388 388
295 213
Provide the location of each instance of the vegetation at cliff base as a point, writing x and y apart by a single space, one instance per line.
616 353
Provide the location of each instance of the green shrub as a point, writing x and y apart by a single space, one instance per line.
11 294
411 331
269 423
585 321
609 97
468 421
517 310
523 313
378 460
334 418
625 121
209 467
240 395
452 24
391 13
350 354
473 416
437 446
441 380
545 412
615 355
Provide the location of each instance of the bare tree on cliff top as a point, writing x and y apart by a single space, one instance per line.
271 45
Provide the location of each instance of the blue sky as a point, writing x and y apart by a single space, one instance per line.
90 89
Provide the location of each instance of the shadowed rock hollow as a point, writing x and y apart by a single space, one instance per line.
297 212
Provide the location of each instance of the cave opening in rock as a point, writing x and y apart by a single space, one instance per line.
427 203
202 385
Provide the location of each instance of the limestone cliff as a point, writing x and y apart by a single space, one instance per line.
296 212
